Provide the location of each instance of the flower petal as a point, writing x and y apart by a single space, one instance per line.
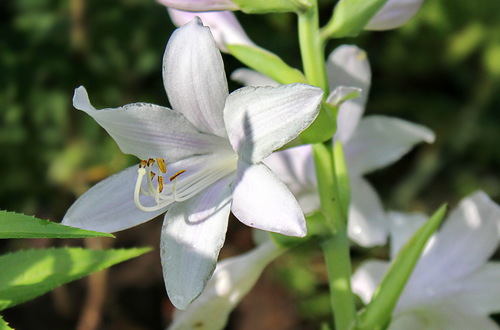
248 77
194 77
109 205
380 141
367 277
367 225
223 24
147 130
439 316
348 65
262 201
393 14
231 281
200 5
260 120
402 226
295 167
466 241
480 290
192 235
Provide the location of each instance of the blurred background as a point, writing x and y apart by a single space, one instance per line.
441 70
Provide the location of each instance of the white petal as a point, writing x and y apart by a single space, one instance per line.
295 167
231 281
194 77
248 77
109 205
466 240
440 316
367 225
262 201
394 14
367 278
260 120
402 226
342 94
192 235
348 65
147 130
223 24
200 5
379 141
480 291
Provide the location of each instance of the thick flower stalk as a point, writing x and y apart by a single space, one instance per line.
369 144
452 286
199 161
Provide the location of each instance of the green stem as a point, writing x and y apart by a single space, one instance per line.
312 48
335 245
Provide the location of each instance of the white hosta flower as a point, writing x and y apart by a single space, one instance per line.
200 5
394 14
452 286
224 26
199 161
233 278
369 144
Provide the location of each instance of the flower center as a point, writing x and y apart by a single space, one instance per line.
180 186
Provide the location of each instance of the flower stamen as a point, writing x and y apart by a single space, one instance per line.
173 177
179 187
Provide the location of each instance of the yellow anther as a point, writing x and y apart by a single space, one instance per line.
160 183
151 161
172 178
143 163
152 174
161 165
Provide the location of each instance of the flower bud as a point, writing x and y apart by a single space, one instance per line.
394 14
223 24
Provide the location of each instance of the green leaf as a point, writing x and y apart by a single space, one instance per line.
266 63
3 324
31 273
378 312
350 17
16 225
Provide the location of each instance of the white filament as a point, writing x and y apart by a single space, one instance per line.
180 189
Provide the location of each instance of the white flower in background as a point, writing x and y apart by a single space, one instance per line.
369 144
233 278
199 162
452 286
394 14
200 5
223 24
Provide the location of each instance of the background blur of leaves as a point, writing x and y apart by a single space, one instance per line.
441 70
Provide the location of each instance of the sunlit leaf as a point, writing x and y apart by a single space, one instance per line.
266 63
31 273
16 225
378 312
3 324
